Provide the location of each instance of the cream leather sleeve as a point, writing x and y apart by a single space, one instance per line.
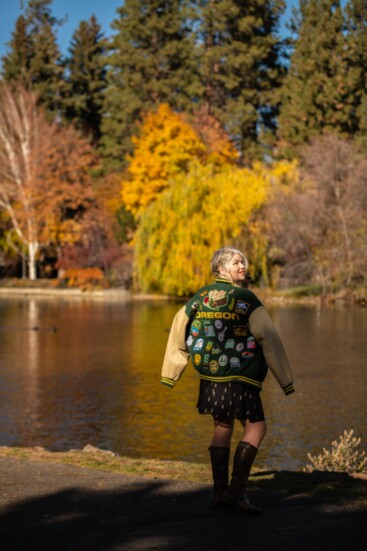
176 357
263 329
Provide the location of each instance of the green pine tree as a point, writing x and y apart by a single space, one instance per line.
356 39
86 75
16 64
240 68
151 62
34 46
316 95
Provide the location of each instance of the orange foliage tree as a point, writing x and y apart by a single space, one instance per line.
166 145
45 185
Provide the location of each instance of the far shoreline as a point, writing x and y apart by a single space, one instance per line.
286 297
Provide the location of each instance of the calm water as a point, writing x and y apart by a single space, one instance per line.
77 372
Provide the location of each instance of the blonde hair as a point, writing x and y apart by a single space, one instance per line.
222 256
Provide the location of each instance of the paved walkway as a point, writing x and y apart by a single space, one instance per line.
51 507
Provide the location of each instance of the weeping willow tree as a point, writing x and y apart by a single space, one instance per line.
199 212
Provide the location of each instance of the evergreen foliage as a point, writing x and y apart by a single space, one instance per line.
86 79
356 39
34 58
316 95
240 68
151 62
16 64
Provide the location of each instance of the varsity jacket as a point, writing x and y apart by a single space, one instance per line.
229 336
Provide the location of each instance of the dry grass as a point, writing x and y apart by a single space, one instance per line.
107 461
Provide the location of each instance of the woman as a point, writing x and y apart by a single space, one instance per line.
231 340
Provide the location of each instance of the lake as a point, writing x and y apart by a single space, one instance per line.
81 371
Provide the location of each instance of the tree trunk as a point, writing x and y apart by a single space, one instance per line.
32 265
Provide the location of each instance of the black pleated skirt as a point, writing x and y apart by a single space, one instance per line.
228 401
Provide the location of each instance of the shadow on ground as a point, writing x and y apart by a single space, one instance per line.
61 507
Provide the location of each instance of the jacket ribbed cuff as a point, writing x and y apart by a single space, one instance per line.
288 389
167 382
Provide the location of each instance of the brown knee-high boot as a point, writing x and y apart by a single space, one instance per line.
235 493
219 459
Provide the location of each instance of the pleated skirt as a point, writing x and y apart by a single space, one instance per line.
228 401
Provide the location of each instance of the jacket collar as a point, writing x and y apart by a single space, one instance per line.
223 280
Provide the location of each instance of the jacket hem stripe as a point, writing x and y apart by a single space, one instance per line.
167 382
288 389
232 378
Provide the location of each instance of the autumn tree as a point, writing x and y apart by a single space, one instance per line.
219 149
200 211
46 189
339 171
150 62
257 237
86 74
20 129
166 145
319 227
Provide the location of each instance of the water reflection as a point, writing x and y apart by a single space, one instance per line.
74 372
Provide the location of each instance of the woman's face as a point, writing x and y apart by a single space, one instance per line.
235 270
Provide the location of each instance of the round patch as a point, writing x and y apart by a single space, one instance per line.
223 360
213 366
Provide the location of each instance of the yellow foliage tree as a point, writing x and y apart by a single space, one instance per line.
201 211
165 147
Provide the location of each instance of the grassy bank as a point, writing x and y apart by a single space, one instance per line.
107 461
348 491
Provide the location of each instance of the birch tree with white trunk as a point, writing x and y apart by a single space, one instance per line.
22 133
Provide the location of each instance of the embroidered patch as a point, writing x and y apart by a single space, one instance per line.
213 366
240 346
221 334
190 340
240 330
197 359
216 299
199 344
229 343
195 328
209 331
242 307
216 349
209 346
234 362
251 343
223 360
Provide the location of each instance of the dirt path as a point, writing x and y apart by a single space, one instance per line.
54 506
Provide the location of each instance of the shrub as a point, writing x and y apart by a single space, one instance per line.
343 457
84 278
